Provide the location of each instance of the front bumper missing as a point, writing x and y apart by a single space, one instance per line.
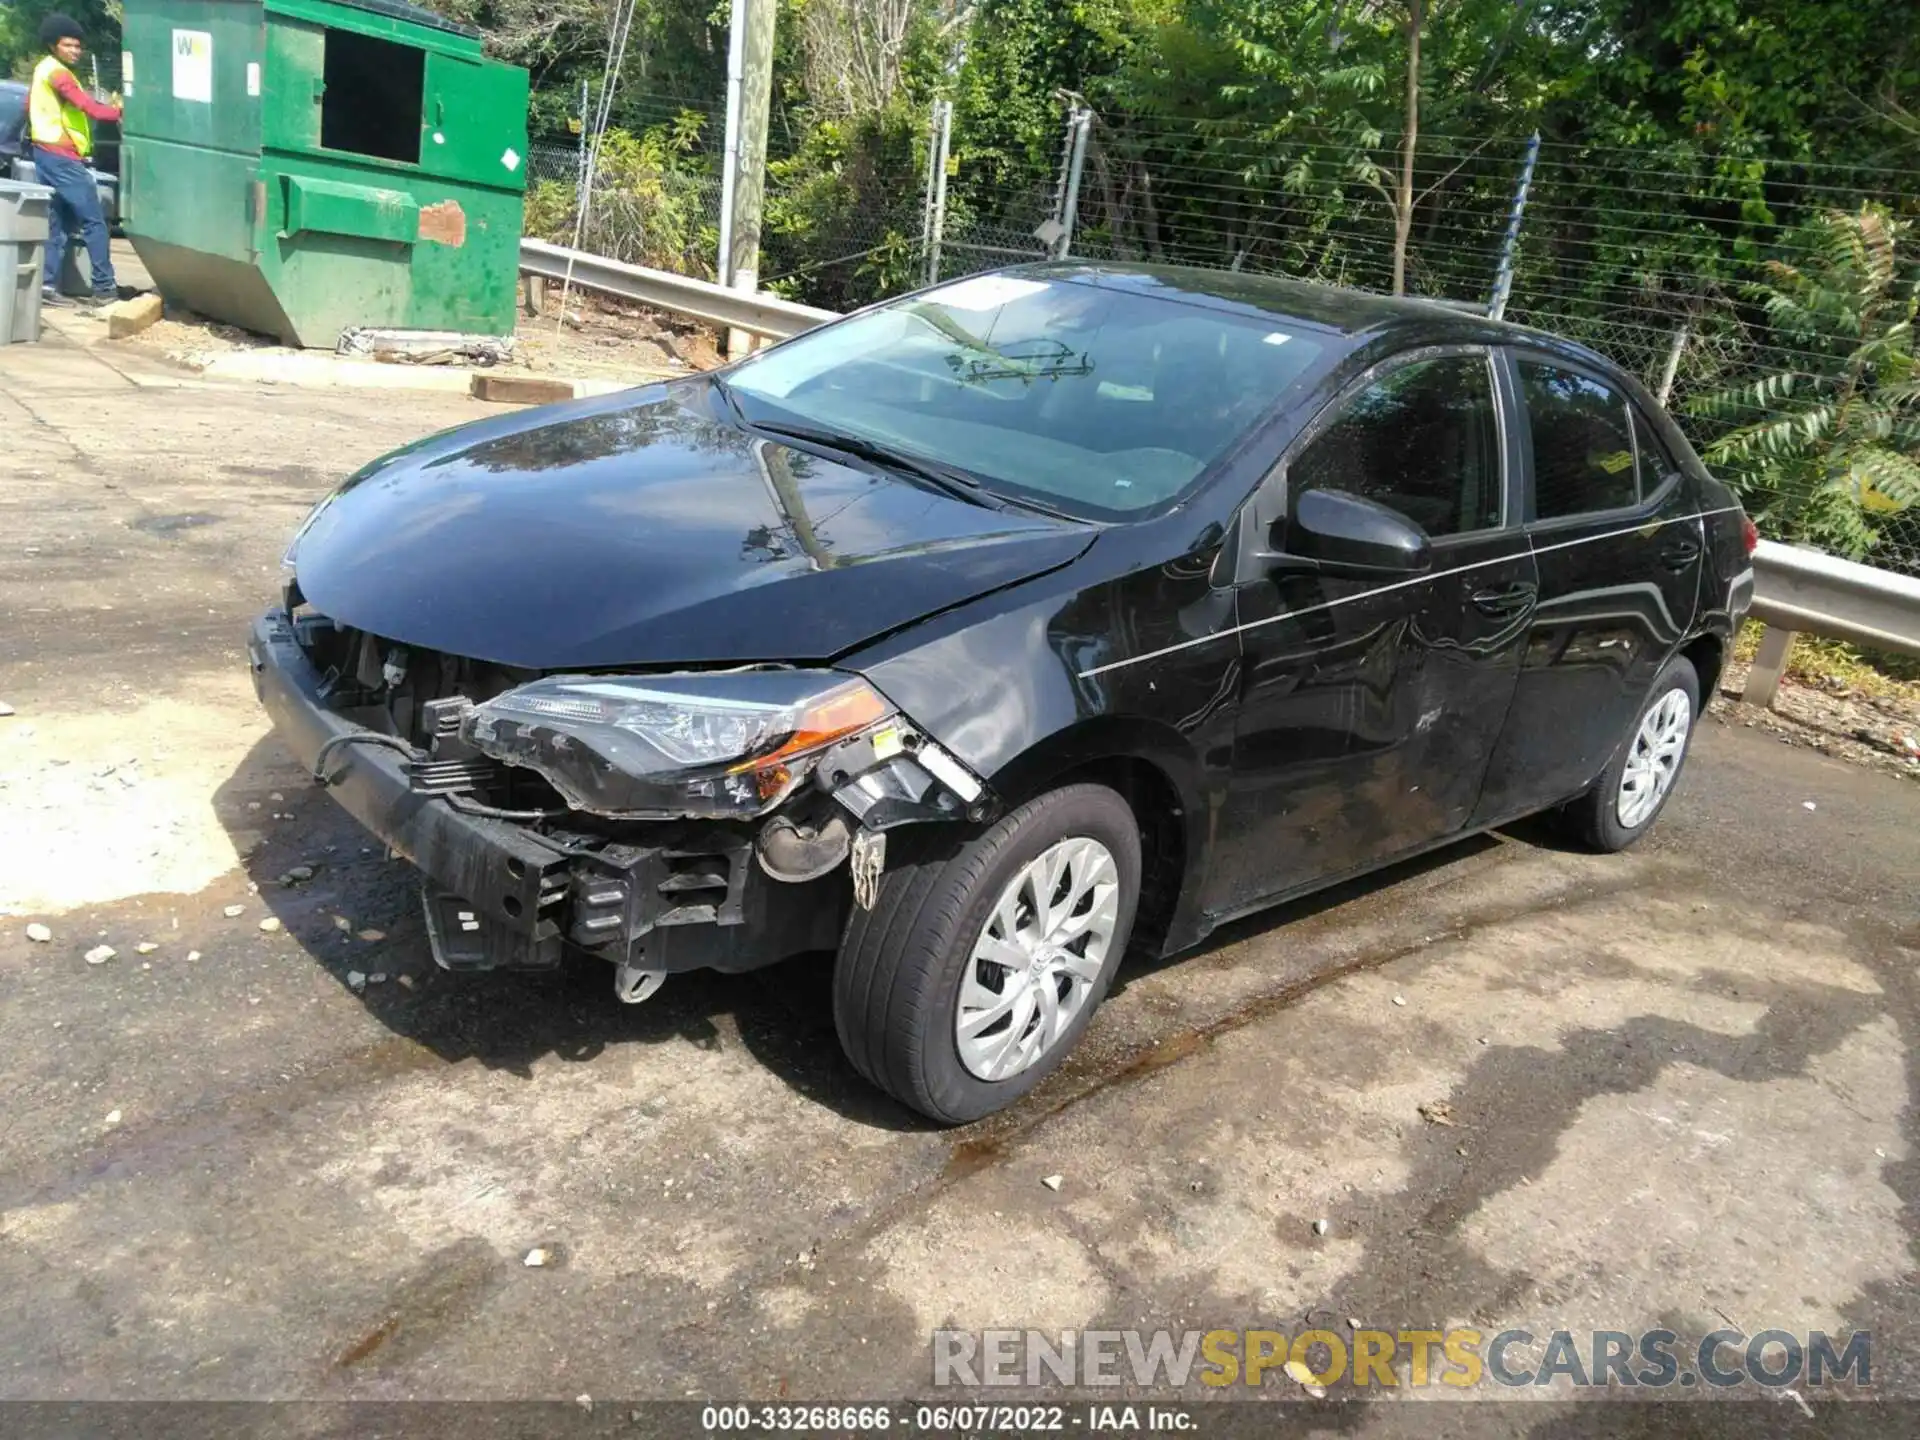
666 897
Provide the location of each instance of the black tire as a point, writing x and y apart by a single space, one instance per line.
896 985
1594 818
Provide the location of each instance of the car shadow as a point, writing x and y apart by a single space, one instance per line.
356 913
358 917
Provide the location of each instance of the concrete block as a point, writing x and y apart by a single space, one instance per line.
130 317
520 389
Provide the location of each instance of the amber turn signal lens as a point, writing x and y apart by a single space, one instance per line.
842 711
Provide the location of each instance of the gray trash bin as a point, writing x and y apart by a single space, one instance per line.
23 235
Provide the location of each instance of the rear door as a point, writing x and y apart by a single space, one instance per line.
1369 707
1616 533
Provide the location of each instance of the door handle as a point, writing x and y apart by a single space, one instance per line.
1680 554
1505 601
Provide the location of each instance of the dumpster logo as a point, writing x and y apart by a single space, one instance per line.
193 66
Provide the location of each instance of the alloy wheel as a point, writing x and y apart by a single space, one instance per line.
1654 759
1034 965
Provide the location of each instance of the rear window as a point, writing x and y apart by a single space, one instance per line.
1582 443
1103 401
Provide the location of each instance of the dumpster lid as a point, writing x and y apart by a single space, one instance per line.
413 15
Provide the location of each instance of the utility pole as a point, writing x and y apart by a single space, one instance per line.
934 214
743 182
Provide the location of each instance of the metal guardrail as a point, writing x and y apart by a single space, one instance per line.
1804 591
757 313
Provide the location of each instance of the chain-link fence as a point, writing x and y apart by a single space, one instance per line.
1669 263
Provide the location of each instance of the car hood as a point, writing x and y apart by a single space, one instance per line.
645 529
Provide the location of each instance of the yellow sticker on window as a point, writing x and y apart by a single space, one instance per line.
1613 464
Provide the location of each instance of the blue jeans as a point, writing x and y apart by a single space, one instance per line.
75 210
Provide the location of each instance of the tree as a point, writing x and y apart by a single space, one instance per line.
1824 451
20 48
855 51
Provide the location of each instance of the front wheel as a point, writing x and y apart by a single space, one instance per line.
977 970
1634 789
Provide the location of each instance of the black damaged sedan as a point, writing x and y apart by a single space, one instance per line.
993 630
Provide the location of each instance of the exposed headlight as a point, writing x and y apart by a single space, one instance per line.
713 745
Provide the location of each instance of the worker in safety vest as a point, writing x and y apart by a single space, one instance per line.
60 118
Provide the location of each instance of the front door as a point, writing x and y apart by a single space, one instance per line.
1370 706
1617 533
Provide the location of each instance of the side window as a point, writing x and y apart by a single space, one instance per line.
1423 440
1582 446
1656 462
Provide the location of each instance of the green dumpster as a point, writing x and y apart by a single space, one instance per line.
301 167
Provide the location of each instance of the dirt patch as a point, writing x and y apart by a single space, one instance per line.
597 337
1879 729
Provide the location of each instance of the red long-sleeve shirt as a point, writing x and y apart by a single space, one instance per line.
68 89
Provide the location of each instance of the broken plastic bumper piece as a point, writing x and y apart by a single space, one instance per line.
658 895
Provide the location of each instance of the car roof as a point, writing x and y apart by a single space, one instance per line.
1358 315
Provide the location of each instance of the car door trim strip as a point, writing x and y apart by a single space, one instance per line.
1403 584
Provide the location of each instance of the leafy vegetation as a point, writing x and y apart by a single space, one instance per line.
1828 449
1691 154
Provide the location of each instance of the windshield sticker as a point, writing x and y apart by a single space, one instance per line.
1275 337
985 292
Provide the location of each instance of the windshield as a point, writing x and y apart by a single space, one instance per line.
1105 402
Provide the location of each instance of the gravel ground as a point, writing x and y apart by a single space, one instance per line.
1879 731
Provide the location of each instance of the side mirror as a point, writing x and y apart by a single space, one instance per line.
1342 533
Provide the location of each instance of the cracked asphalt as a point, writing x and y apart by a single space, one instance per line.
1673 1087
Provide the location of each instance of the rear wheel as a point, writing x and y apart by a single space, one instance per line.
1635 788
978 969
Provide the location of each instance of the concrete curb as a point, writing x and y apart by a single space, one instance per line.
331 372
321 370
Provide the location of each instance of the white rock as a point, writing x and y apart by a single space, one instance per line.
1808 805
234 911
1399 999
146 947
37 931
1322 1225
100 954
536 1257
299 873
277 797
5 709
379 977
1053 1182
356 981
270 924
113 1117
193 954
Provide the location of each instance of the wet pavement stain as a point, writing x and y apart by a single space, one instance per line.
446 1290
